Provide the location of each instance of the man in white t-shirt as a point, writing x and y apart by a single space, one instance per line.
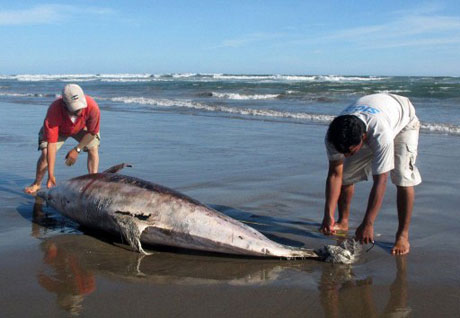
378 134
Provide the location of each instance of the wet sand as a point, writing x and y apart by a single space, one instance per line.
267 174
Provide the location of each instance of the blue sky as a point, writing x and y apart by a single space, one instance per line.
362 37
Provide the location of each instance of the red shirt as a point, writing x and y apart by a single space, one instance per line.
57 121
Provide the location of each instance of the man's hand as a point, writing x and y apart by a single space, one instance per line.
51 182
365 234
327 227
71 157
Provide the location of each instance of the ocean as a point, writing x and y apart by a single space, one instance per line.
303 99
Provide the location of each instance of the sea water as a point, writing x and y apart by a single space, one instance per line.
303 99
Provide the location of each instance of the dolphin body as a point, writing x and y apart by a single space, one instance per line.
144 212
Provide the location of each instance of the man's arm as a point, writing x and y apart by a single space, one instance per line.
333 188
365 232
51 159
72 155
86 140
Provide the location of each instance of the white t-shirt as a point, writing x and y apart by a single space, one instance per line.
384 115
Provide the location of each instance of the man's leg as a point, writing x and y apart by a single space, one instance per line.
42 166
405 176
93 159
405 203
346 194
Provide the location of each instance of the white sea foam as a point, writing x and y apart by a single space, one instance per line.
337 78
223 109
298 78
394 91
127 80
126 77
243 77
238 96
72 77
27 95
184 75
53 77
440 128
14 94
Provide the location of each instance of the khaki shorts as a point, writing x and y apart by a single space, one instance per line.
42 143
405 174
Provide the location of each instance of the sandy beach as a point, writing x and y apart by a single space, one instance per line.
268 174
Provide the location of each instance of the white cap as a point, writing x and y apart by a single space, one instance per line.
73 97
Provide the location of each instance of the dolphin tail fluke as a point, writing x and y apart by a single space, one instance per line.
347 252
117 168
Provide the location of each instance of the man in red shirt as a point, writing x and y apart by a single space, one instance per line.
73 115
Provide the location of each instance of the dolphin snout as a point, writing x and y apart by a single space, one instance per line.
43 193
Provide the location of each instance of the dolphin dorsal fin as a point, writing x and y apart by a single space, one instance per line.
117 168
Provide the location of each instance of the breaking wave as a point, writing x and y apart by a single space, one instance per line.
268 113
238 96
440 128
145 77
298 78
28 95
223 109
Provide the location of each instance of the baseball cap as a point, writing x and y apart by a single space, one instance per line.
73 97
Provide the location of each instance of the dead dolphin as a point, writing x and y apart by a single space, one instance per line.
148 213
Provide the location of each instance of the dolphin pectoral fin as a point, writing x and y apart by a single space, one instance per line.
131 231
117 168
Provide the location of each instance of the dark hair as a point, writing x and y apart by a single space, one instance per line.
345 131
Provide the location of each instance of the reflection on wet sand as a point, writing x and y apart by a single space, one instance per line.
397 305
169 268
70 281
341 295
75 261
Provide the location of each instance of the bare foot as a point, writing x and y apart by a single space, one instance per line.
341 226
32 188
401 246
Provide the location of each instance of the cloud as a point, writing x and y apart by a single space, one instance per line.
403 27
419 29
48 14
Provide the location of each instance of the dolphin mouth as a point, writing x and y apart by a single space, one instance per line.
43 193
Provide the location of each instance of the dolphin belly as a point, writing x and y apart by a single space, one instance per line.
144 212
